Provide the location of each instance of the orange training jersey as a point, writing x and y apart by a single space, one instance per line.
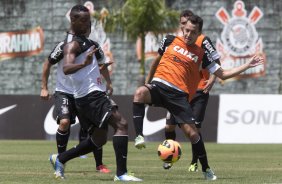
180 64
210 54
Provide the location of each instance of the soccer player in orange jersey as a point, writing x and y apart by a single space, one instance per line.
200 99
176 77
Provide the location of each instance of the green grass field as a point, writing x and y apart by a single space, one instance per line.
27 162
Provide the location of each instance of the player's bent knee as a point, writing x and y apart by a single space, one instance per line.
64 124
140 94
123 125
99 137
194 138
119 124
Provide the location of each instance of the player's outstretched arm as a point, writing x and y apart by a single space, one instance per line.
226 74
209 83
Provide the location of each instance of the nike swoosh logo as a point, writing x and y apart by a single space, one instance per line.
6 109
50 124
137 116
151 127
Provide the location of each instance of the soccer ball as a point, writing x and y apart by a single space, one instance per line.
169 151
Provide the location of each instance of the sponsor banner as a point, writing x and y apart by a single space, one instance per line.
29 117
22 116
250 119
21 43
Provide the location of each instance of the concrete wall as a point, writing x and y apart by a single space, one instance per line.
22 75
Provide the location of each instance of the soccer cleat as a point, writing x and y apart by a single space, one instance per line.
83 156
209 174
140 142
126 177
193 168
167 165
58 166
59 170
52 160
102 169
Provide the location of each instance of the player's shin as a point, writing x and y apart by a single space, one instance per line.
62 138
138 116
98 155
200 151
82 148
170 135
194 154
120 143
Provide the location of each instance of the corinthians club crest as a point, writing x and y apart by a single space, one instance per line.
239 39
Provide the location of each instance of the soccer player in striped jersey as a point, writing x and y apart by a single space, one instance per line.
95 110
64 105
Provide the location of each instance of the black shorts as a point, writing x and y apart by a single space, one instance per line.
94 110
198 105
176 102
64 107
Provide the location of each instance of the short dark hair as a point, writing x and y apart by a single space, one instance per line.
76 9
195 19
186 13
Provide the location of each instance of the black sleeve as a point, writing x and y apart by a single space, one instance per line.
167 40
211 55
85 44
57 53
99 54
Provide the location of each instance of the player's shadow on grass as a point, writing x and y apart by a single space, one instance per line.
92 174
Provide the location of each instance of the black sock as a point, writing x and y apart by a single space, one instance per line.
170 135
62 138
138 116
200 151
98 155
82 134
120 144
194 154
82 148
97 152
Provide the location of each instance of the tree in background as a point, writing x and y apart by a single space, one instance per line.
138 17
